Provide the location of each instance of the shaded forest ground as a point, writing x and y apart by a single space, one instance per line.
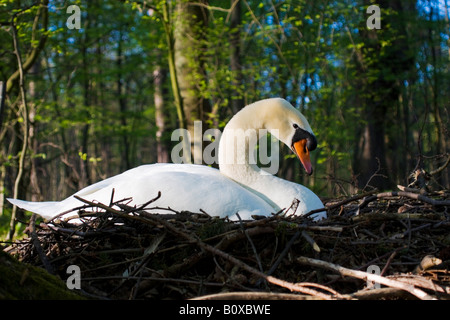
24 281
128 253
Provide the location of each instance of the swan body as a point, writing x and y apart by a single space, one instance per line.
182 186
238 187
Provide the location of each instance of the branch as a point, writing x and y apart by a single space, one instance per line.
149 218
366 276
275 43
21 168
252 296
226 256
37 245
2 102
410 195
426 263
441 168
348 200
28 63
380 294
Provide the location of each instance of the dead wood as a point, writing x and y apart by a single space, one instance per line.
148 252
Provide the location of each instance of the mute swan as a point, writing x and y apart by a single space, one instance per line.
239 186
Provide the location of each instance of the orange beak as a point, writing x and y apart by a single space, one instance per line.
300 148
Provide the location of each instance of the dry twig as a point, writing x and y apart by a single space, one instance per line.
148 252
366 276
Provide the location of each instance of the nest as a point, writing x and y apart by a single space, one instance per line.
392 245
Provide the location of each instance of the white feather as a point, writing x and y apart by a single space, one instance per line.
236 188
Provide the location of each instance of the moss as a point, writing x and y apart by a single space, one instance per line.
212 228
25 282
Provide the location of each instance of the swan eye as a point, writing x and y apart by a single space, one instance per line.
295 126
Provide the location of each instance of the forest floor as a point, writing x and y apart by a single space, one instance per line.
391 245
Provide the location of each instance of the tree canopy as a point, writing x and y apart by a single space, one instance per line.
89 93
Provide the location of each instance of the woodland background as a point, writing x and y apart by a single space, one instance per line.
80 105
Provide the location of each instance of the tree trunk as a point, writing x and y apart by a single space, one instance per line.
189 34
24 108
84 163
161 147
2 102
2 167
36 194
170 40
237 99
125 165
379 90
34 53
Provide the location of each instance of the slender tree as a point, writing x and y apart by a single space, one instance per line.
161 146
385 56
189 39
237 100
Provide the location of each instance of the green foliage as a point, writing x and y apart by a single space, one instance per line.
317 54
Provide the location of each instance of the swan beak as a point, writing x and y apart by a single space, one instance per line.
302 152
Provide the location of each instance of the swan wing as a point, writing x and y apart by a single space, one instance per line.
182 186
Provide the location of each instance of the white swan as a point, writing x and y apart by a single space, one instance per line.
239 186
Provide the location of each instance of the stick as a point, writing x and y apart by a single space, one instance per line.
382 293
152 279
38 246
251 243
284 252
426 263
410 195
366 276
253 296
215 251
150 218
442 167
408 189
311 241
351 199
419 281
381 257
388 262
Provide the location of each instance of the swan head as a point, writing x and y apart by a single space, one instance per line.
282 120
302 143
290 126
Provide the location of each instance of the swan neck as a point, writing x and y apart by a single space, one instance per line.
237 156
